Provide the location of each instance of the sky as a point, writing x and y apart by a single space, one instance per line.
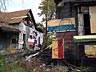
15 5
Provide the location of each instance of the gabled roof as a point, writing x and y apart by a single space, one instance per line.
18 13
18 20
16 16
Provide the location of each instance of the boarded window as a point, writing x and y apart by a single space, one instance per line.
92 11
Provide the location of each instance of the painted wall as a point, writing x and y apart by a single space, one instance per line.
61 28
27 31
39 35
24 31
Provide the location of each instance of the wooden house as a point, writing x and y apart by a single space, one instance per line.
84 37
23 20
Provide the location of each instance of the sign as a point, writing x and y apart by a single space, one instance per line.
90 50
58 48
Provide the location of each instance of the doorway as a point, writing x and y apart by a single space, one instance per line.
87 24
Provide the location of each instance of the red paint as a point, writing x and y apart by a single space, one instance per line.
60 49
30 43
69 38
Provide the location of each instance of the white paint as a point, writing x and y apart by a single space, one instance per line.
80 24
39 34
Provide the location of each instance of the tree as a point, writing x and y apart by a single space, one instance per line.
47 8
40 27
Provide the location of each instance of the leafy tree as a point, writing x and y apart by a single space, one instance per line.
47 8
40 27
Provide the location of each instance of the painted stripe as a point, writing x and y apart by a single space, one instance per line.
61 28
60 49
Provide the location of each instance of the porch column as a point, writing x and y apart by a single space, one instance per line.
80 22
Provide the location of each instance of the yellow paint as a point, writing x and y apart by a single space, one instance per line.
12 50
58 22
91 50
55 48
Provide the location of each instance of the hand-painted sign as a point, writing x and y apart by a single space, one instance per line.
58 48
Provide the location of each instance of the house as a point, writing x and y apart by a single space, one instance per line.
23 20
84 38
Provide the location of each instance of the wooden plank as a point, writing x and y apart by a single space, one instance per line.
59 22
92 11
57 48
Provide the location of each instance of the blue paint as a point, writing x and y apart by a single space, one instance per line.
61 28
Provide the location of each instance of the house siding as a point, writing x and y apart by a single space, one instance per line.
65 11
39 35
77 9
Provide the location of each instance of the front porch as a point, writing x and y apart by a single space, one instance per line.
8 38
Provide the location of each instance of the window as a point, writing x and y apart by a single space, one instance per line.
14 41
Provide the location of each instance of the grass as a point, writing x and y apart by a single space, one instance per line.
35 65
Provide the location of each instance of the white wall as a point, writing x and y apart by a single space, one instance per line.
28 31
39 34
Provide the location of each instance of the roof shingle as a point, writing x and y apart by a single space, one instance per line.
13 17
